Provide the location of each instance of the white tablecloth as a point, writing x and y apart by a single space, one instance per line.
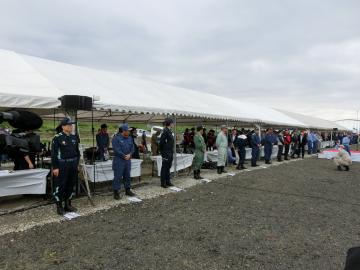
329 154
104 171
183 161
23 182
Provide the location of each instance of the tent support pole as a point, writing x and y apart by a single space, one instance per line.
175 155
93 145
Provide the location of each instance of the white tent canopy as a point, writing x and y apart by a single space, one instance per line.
31 82
313 122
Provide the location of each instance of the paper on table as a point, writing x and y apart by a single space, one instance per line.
3 172
134 199
206 180
176 189
71 215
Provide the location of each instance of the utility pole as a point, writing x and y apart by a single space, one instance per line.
358 129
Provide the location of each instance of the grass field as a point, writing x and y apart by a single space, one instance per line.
47 131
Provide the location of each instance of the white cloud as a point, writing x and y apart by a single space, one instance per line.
302 56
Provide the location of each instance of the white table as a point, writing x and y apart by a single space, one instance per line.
104 171
211 156
329 154
183 161
23 182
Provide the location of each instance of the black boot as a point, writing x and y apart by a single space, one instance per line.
223 169
198 175
129 193
347 168
60 209
339 168
195 174
218 170
169 184
68 207
116 195
242 167
238 167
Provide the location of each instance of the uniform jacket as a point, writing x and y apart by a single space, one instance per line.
64 147
166 144
122 146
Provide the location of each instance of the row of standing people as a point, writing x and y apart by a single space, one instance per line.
290 144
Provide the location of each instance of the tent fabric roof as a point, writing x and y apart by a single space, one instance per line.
36 83
313 122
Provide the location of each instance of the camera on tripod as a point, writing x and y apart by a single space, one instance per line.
22 140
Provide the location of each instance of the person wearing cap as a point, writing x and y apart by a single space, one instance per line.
200 148
255 147
166 147
342 159
241 142
123 148
102 141
222 146
65 156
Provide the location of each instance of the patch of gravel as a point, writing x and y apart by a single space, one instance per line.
300 215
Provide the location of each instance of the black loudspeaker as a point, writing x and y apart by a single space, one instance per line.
73 102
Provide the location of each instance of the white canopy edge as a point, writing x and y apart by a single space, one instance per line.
313 122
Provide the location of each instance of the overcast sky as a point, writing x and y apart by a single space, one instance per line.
302 56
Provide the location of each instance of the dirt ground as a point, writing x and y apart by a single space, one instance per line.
300 215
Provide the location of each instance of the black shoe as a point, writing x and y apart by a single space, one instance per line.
60 209
219 171
347 168
164 186
242 168
116 195
198 175
129 193
223 169
254 165
195 175
68 207
339 168
169 184
238 167
286 159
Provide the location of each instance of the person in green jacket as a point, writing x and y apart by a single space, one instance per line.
200 148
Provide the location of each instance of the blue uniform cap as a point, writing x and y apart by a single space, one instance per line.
67 121
124 127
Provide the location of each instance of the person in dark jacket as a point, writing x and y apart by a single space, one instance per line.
133 133
302 142
166 146
255 148
241 143
102 141
268 145
65 157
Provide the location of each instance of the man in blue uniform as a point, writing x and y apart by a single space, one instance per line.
255 148
103 141
268 145
123 148
65 159
166 146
